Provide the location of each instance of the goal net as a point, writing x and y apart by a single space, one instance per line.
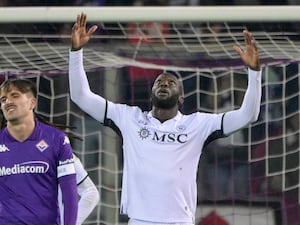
251 177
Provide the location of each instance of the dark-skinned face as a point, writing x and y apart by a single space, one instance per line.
166 91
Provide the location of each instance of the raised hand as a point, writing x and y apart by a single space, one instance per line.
250 55
80 35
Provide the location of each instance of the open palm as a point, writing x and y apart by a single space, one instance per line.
80 35
250 55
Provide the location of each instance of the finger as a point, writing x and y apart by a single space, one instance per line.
238 49
92 30
245 36
253 44
81 21
84 16
78 19
248 37
75 26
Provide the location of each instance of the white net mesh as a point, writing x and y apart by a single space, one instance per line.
252 176
125 44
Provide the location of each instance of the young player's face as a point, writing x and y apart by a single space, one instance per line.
166 91
16 105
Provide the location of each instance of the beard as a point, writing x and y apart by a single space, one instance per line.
167 103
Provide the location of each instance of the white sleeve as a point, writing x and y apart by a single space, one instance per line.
80 91
89 198
81 173
249 111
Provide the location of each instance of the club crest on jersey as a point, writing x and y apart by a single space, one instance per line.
42 145
144 133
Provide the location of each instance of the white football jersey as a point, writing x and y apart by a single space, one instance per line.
161 161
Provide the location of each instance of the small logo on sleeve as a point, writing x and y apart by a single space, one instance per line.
66 140
66 167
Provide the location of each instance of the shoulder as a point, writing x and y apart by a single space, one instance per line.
45 126
117 109
2 130
121 106
199 115
203 117
3 133
50 131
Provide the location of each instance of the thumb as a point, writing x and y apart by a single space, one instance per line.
238 49
92 30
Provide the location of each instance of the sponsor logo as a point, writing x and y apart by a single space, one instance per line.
31 167
144 133
67 161
162 137
3 148
169 137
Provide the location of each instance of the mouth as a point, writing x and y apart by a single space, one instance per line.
162 92
10 108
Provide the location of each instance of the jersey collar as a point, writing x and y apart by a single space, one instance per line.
175 118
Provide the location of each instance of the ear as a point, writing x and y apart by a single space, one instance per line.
181 99
33 102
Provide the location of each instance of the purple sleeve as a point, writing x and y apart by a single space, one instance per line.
69 198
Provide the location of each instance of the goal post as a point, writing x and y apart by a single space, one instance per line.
252 176
150 13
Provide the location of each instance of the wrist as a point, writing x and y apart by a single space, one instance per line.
255 68
75 49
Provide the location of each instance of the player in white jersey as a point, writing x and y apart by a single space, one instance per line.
87 191
161 147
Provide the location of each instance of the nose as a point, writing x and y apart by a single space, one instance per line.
164 83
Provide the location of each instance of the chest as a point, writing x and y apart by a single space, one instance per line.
26 158
169 133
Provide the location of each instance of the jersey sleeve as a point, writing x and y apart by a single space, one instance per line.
80 91
67 180
117 112
250 108
65 161
81 173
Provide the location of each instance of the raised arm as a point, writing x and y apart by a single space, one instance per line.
80 91
249 110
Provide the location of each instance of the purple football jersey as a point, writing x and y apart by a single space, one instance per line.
29 173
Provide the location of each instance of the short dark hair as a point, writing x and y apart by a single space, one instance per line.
23 85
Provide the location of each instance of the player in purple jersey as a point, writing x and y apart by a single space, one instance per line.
88 193
35 159
162 147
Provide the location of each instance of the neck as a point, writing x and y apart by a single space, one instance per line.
164 114
21 130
